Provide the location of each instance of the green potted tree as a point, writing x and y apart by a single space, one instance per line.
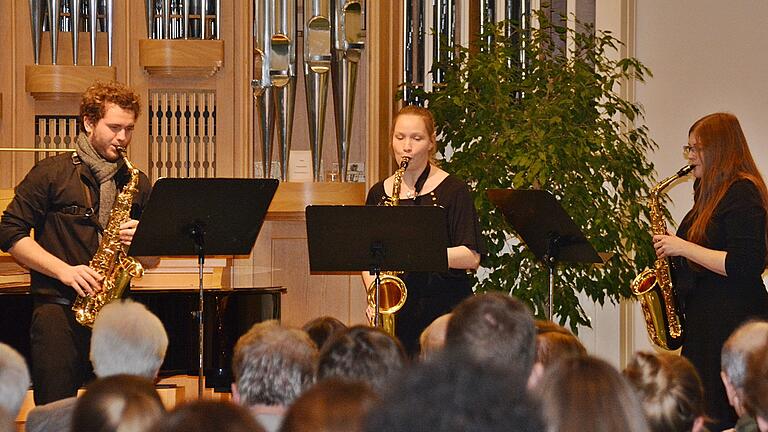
517 111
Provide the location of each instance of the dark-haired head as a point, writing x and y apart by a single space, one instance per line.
454 393
331 405
323 328
495 329
125 403
362 353
208 416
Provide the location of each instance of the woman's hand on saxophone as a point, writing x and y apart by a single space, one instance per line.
670 245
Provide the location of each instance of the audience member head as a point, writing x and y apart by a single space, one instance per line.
554 342
587 394
125 403
127 339
494 329
432 339
331 405
272 365
362 353
453 393
670 391
322 329
208 416
14 379
740 345
756 386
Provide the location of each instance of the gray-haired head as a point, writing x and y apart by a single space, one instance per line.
127 339
14 379
745 340
273 364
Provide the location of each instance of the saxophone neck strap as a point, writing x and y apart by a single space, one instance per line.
421 180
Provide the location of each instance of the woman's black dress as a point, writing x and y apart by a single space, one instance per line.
433 294
716 305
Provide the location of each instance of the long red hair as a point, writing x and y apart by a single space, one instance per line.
725 158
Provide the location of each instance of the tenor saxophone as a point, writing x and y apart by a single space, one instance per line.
111 259
653 287
392 290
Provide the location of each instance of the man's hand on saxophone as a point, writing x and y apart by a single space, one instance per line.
81 278
127 230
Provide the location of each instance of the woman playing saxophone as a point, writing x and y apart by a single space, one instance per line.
424 183
719 251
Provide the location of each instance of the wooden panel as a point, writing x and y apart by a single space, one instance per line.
280 257
295 197
61 81
186 58
290 267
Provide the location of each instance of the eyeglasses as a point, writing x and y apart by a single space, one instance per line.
688 149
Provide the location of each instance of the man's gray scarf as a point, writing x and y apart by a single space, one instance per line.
104 171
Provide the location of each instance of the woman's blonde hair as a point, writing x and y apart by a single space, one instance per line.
670 390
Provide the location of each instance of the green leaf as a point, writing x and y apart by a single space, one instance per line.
560 123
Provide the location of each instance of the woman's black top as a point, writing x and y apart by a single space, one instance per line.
432 294
716 305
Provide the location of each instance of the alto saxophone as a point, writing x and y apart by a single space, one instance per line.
111 259
653 287
392 290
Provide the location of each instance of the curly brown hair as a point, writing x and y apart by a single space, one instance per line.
96 97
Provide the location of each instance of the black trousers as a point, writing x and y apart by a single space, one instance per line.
60 348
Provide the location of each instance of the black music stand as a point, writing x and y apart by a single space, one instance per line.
199 217
546 228
376 239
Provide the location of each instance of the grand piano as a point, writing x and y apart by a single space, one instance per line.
228 314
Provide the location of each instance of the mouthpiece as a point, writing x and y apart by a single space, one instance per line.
685 170
404 161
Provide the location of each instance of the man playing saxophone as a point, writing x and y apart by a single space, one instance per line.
67 200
